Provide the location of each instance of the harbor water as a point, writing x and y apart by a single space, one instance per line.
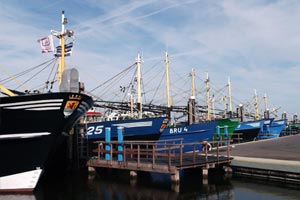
108 185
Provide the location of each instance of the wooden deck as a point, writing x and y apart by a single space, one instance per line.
164 157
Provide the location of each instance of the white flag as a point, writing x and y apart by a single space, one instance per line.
46 44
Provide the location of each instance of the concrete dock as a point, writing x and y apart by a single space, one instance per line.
277 158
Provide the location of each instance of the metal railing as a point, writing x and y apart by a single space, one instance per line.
170 152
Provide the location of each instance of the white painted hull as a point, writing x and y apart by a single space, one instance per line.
21 182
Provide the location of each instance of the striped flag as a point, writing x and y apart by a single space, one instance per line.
46 44
68 50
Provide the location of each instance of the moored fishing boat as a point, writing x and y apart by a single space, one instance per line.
33 128
273 129
249 129
227 123
192 133
134 129
137 125
152 128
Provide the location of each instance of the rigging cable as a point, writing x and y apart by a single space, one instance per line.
112 78
36 73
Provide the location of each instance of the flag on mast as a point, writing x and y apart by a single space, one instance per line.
46 44
68 50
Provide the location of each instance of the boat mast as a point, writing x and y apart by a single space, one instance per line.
193 83
61 36
266 102
131 106
266 112
191 103
168 85
256 105
61 67
229 97
139 91
207 97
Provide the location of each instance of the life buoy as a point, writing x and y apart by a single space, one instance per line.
206 145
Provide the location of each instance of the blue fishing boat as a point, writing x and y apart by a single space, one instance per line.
272 129
134 129
249 129
138 125
188 134
151 129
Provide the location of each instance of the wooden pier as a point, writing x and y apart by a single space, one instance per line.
163 157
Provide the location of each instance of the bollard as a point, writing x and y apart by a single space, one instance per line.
120 146
107 143
225 134
218 133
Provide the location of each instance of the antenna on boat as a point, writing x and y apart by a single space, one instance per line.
256 105
266 101
266 112
61 36
207 96
230 97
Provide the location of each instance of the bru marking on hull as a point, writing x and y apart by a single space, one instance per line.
178 130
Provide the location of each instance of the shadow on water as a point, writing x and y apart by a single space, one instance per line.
116 184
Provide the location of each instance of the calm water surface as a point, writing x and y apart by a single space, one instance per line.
108 185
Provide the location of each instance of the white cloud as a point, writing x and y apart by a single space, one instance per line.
256 43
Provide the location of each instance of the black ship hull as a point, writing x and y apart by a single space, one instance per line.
32 130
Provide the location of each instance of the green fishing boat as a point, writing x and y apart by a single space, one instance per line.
231 125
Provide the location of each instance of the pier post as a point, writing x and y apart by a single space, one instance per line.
228 171
175 187
120 146
133 174
175 178
107 143
91 169
225 134
205 173
218 133
205 176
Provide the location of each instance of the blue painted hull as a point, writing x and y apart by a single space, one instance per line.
249 129
272 130
134 129
190 134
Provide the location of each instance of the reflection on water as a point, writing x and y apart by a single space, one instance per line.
17 197
110 184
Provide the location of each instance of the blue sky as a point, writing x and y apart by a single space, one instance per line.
256 43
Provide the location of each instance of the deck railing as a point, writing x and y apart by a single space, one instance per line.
175 152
